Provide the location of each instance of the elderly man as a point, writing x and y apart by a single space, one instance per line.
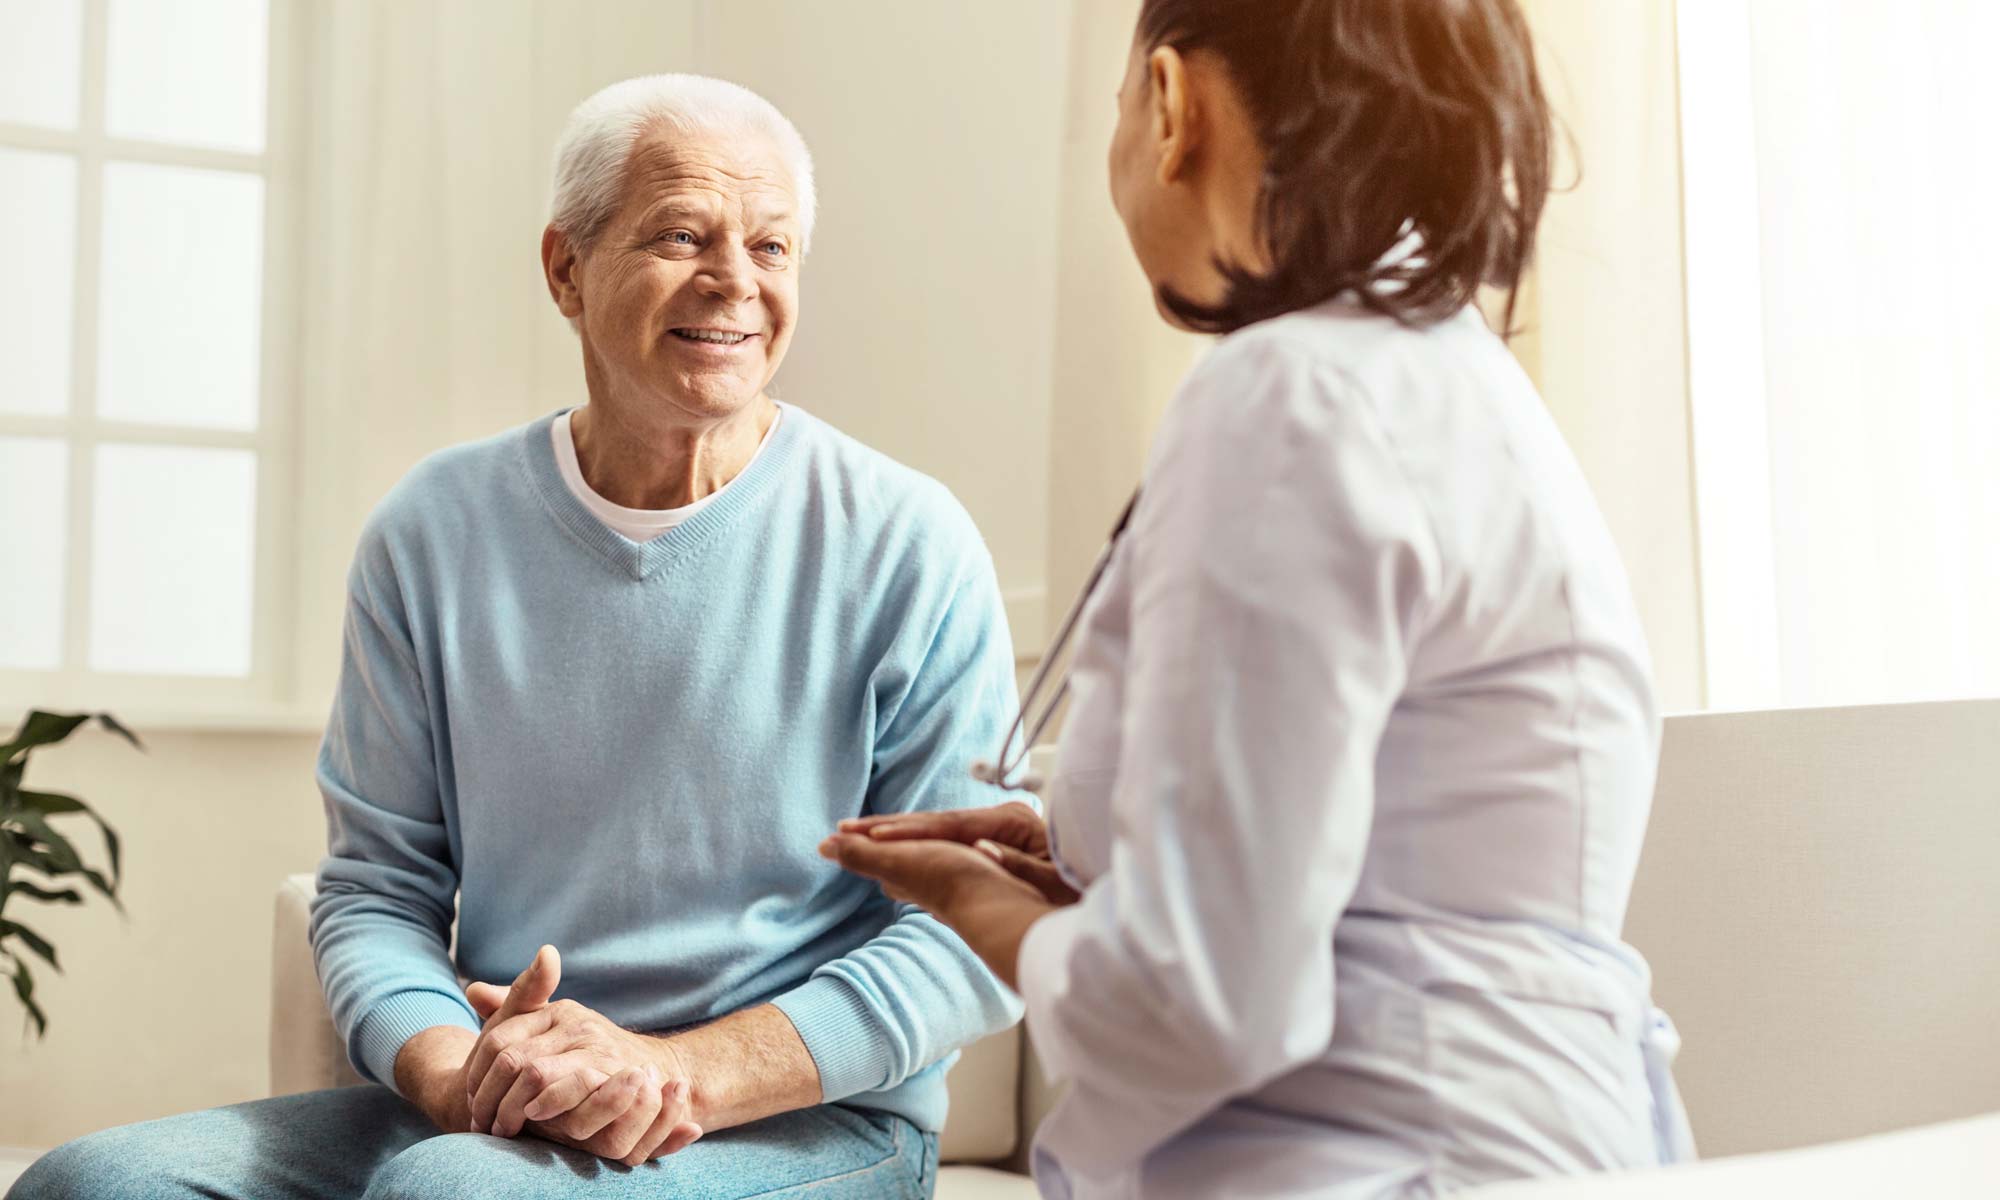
608 681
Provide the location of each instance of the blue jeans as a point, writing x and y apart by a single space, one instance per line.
367 1143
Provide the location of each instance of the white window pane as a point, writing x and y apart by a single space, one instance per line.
34 525
181 296
38 261
188 71
173 540
41 52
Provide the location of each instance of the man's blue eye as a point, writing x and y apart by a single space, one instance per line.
775 247
681 237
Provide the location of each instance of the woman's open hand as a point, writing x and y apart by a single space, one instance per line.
1013 835
968 889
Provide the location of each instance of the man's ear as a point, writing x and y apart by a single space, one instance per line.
561 268
1174 124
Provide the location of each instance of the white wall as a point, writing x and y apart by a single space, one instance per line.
166 1009
929 317
1606 317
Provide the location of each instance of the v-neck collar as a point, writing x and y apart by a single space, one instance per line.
640 560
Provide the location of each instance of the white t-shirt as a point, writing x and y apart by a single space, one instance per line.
636 524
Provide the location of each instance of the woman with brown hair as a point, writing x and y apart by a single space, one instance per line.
1362 736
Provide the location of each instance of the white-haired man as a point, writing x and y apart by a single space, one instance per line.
608 681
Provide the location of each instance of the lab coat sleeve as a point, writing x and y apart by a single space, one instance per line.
1280 563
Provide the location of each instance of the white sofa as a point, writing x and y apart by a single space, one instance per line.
1819 903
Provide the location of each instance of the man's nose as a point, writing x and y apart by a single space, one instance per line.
727 275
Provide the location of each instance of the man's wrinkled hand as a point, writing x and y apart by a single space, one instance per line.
564 1072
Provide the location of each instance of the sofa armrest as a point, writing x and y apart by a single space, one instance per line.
306 1054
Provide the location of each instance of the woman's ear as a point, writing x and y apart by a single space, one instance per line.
559 269
1173 116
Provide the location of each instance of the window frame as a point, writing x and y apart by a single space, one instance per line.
266 696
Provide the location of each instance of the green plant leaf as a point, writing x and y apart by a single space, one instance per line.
37 828
32 940
51 803
46 728
24 988
42 729
38 892
118 727
55 866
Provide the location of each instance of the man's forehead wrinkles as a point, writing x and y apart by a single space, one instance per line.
662 158
760 205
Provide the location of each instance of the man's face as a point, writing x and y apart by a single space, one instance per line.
689 294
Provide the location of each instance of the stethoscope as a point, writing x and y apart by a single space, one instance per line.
1004 770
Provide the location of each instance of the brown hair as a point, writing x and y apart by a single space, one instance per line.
1379 118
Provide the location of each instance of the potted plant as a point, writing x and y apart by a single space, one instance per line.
29 843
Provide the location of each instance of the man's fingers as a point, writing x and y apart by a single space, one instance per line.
609 1102
530 990
1027 867
683 1135
533 986
485 998
498 1039
507 1115
527 1057
617 1140
673 1110
549 1064
567 1093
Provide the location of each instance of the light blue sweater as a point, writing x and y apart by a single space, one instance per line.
632 750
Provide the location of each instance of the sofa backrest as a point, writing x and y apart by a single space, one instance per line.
1819 897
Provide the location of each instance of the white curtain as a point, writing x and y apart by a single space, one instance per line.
1844 310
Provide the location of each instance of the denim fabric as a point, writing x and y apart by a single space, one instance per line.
367 1143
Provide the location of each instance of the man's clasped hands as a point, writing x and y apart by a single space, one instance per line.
558 1070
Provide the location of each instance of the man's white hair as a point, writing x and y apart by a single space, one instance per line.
592 152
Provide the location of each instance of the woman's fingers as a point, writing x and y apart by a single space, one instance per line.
930 874
906 870
1035 870
1012 824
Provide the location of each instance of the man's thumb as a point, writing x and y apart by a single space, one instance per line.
533 987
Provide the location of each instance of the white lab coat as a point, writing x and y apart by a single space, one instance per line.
1359 758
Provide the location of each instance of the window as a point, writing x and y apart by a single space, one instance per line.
1845 382
146 351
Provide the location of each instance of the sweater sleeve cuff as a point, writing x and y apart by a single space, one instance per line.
1043 971
841 1034
381 1034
